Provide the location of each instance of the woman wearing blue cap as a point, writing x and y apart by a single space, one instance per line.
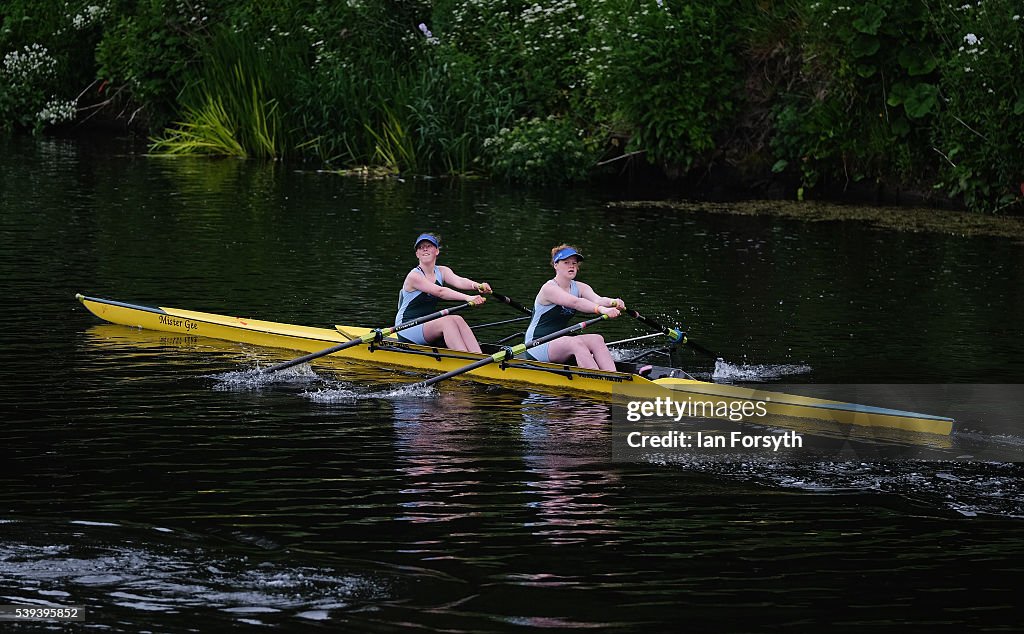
423 286
557 302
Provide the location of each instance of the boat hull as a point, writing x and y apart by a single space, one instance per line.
392 353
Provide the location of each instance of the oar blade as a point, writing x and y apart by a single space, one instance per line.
677 336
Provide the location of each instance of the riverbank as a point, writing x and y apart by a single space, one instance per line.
813 96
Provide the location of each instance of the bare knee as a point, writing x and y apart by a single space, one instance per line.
593 340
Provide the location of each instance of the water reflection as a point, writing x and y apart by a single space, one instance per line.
566 443
436 454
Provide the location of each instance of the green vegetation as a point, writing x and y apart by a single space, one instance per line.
817 94
538 151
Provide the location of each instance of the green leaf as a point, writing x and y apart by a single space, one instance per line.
898 93
923 100
1018 108
870 19
779 166
916 60
866 70
917 100
865 45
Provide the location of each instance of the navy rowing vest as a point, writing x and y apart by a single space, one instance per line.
551 317
415 304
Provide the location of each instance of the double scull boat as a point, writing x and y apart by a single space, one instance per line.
658 382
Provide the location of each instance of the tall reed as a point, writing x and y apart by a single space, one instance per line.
234 101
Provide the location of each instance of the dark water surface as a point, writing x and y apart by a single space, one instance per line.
148 478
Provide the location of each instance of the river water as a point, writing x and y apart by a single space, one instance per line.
146 479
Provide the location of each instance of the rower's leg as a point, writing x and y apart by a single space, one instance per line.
596 346
442 329
466 334
453 333
561 349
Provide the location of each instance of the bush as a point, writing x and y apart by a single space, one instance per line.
28 79
538 47
981 128
867 94
44 69
665 74
539 151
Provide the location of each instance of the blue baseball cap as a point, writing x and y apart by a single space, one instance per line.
566 253
429 238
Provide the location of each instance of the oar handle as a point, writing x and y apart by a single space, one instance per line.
424 319
514 304
510 352
372 335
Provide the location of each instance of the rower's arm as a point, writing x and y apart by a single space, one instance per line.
422 284
555 295
464 283
610 302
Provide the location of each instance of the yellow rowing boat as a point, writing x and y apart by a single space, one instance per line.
387 352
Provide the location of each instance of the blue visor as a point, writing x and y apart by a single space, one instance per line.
566 253
429 238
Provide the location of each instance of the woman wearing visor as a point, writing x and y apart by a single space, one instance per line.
423 287
557 303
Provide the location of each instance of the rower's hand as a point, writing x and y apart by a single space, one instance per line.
484 287
476 300
611 312
618 303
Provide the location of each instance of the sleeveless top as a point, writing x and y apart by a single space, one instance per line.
414 304
548 318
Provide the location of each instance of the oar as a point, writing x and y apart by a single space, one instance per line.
675 335
514 304
500 323
508 353
368 337
632 339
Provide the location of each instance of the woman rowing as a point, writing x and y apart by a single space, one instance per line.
557 302
423 286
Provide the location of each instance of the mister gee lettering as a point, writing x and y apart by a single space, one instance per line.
176 322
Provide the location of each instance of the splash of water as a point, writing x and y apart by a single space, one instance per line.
725 371
255 378
345 394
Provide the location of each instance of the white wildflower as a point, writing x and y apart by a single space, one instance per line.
31 61
57 111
